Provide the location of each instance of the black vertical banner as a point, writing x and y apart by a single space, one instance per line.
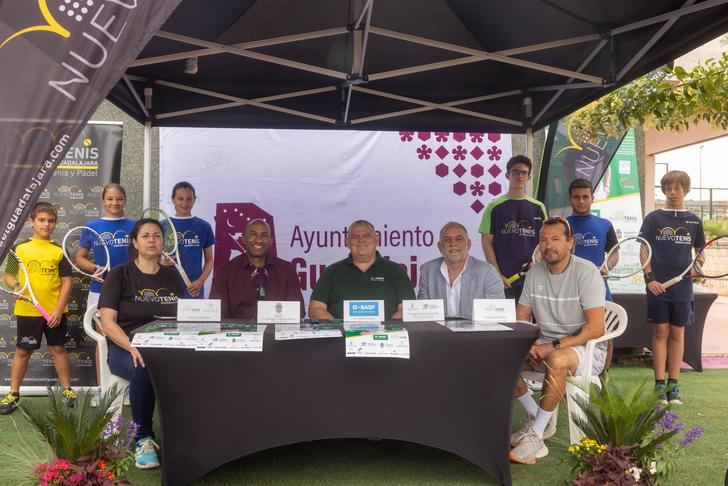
91 162
59 60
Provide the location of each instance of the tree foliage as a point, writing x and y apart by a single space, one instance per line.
669 99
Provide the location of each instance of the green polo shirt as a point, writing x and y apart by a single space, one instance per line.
343 280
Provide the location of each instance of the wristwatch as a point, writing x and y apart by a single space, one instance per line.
649 277
556 343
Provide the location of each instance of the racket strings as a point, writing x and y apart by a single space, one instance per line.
628 258
713 262
72 243
10 272
169 234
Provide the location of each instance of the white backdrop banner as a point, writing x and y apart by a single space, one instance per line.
309 185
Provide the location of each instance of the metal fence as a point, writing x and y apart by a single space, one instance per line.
709 203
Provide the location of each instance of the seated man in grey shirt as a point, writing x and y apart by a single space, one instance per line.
565 294
457 278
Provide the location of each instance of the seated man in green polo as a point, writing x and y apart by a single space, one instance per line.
363 275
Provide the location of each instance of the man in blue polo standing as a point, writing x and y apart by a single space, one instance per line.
593 236
511 224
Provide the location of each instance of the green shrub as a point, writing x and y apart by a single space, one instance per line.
715 227
72 433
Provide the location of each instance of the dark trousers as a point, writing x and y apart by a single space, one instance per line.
141 392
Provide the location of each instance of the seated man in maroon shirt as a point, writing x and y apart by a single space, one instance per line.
255 275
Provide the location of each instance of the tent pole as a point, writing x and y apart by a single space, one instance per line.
147 175
529 154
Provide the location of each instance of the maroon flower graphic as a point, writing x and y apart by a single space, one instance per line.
424 152
477 189
406 136
494 153
459 153
441 136
475 137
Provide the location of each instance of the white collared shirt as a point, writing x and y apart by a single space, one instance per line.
452 291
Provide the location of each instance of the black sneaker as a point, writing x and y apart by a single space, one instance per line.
661 387
673 394
9 403
69 397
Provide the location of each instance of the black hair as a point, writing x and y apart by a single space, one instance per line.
581 184
519 159
183 185
133 253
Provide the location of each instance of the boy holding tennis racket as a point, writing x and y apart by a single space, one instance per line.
673 233
49 277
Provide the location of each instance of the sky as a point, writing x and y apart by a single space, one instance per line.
712 172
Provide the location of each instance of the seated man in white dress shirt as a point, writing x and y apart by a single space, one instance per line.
456 277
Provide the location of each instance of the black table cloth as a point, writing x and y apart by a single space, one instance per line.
639 331
454 393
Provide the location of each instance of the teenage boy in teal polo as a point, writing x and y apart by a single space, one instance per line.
363 275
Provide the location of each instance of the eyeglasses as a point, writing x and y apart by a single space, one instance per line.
558 220
516 172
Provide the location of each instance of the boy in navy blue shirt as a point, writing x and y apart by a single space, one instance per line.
510 226
673 233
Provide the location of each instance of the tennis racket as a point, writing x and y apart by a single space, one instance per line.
14 280
535 258
169 234
98 254
628 257
711 261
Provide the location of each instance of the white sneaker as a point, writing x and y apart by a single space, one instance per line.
528 449
528 423
96 397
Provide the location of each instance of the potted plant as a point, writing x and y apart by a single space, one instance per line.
89 445
628 439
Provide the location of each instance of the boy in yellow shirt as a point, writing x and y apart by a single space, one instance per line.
49 274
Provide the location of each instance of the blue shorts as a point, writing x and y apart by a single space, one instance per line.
676 313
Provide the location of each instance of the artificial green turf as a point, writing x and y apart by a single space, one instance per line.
358 462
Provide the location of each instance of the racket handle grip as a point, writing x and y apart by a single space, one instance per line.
671 282
43 312
184 276
513 278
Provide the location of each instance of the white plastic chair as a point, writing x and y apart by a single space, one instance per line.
615 322
106 379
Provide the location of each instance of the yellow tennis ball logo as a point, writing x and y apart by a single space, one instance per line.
87 142
73 9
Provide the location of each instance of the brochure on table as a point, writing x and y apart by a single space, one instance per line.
473 326
210 337
279 312
198 310
233 340
423 310
494 310
286 332
376 342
